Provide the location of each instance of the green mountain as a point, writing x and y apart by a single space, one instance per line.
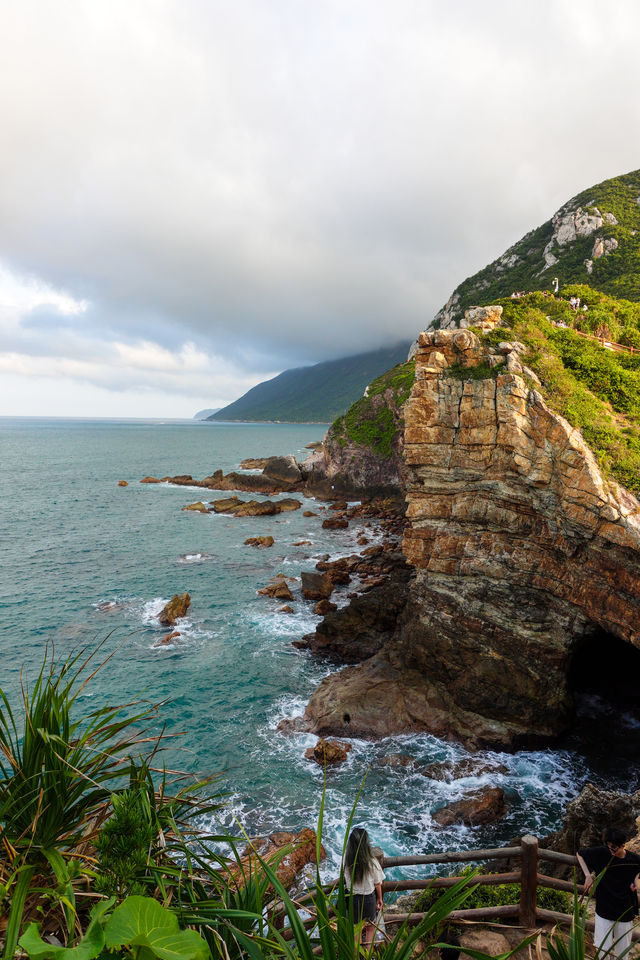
313 394
594 239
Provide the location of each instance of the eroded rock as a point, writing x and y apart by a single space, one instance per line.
175 609
259 542
483 806
328 752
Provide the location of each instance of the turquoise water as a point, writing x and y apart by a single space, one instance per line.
83 559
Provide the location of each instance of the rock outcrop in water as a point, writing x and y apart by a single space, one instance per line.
522 551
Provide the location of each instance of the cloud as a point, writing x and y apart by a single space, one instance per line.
276 184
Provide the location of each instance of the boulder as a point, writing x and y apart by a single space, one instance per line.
124 483
257 508
288 503
589 814
489 942
150 480
335 523
181 480
397 760
284 470
175 609
328 752
339 505
197 507
277 588
168 638
302 851
286 609
309 513
253 463
449 770
484 806
227 505
323 607
259 542
316 586
302 543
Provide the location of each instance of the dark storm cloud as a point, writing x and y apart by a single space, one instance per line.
277 183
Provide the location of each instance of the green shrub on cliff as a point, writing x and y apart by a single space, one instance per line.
375 419
596 389
495 896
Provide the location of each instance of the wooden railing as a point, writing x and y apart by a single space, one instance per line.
607 344
526 912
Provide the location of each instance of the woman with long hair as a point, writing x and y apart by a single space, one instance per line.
363 878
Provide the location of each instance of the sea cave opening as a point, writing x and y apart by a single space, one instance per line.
604 679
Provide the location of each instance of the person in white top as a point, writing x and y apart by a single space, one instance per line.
363 878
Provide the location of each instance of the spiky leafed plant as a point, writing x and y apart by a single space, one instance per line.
56 769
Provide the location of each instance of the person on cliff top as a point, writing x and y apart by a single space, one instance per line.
617 873
363 878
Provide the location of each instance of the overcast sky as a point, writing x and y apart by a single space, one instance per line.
195 195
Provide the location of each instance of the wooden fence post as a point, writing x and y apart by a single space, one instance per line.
529 882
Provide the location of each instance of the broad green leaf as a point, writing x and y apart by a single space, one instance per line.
89 947
142 922
138 916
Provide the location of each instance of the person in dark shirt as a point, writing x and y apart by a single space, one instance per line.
617 879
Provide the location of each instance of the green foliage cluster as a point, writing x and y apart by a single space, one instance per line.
617 273
315 394
481 371
499 895
124 844
596 389
374 421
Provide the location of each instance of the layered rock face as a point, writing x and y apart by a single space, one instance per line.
521 548
521 551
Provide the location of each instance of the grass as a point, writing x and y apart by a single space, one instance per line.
595 389
375 420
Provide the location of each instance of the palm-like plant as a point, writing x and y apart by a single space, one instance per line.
55 774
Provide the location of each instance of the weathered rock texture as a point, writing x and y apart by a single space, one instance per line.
522 552
175 609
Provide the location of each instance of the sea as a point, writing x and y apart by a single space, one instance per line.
89 564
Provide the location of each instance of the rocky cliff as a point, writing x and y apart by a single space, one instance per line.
525 558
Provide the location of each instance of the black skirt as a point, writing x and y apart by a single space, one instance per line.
364 906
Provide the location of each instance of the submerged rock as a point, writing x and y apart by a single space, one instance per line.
335 523
328 752
484 806
259 542
449 770
123 483
175 609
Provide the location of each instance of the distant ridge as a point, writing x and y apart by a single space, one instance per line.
205 414
593 238
319 393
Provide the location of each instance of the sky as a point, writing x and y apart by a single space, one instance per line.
198 194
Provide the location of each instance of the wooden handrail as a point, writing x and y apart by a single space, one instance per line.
556 857
453 856
440 883
528 876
